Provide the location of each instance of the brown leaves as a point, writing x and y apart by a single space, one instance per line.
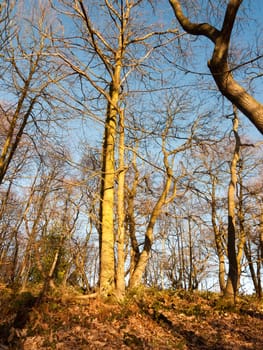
146 320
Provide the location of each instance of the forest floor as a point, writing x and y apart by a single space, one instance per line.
145 319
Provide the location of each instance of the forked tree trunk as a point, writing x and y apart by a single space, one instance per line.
136 277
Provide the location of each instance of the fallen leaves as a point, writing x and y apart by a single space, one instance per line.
150 320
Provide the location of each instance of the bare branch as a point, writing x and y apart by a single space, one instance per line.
204 29
219 65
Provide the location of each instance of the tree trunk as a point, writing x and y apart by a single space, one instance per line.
107 204
107 239
233 273
218 64
135 278
218 238
131 225
241 219
120 278
253 273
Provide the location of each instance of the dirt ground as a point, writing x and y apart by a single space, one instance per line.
145 319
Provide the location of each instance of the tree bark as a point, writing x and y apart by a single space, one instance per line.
253 273
218 64
107 263
141 264
218 238
233 273
120 273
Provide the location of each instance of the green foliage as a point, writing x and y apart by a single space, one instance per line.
51 243
54 243
225 305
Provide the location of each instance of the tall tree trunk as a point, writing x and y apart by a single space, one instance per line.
253 273
260 252
107 239
136 277
261 234
241 219
232 279
107 204
190 277
120 278
218 238
130 219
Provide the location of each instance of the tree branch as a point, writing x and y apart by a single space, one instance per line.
204 29
218 64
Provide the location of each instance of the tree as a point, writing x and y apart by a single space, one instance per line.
11 212
219 63
250 214
176 136
234 257
28 76
7 30
120 270
208 184
115 48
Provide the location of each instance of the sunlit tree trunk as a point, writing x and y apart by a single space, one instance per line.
107 239
115 48
130 218
241 219
233 273
218 238
190 252
165 198
120 278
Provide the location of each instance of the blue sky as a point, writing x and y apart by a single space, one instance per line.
249 33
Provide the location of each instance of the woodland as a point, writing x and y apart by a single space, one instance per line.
131 192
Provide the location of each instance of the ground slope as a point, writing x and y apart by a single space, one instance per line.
146 319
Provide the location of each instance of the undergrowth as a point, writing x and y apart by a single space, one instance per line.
135 317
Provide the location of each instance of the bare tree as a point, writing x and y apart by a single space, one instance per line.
250 214
28 76
167 183
115 50
233 258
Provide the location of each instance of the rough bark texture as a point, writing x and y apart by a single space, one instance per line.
218 238
120 281
233 273
107 264
130 218
242 236
141 264
256 284
218 64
